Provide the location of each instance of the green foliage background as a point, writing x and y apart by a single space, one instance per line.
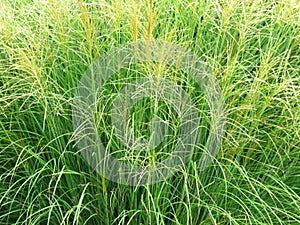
251 47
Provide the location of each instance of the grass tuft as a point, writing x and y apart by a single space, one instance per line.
251 47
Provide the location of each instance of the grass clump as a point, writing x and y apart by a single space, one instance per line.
251 47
